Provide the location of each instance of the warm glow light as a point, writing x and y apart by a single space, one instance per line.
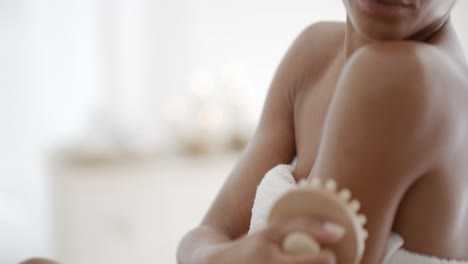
210 117
202 83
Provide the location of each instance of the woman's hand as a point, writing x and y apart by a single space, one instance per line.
265 246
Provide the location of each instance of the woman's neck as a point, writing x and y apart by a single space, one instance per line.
440 34
353 41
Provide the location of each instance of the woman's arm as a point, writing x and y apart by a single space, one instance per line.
273 144
386 128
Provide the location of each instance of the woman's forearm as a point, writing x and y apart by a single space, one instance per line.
199 245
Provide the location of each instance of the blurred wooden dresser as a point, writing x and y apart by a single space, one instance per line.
128 211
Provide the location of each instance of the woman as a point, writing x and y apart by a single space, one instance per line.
378 104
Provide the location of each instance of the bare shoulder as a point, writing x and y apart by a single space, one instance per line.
320 42
324 33
311 55
307 58
316 44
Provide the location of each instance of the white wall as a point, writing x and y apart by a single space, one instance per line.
47 87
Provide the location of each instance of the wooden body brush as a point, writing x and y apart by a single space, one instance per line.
325 202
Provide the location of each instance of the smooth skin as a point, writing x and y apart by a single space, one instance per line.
380 105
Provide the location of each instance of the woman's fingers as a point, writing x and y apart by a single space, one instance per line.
334 232
323 232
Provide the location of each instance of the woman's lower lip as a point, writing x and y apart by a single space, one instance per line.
382 9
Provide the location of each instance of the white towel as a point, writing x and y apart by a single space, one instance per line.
280 179
275 183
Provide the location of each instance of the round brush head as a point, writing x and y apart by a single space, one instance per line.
323 201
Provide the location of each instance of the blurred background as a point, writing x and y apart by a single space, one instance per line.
120 119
